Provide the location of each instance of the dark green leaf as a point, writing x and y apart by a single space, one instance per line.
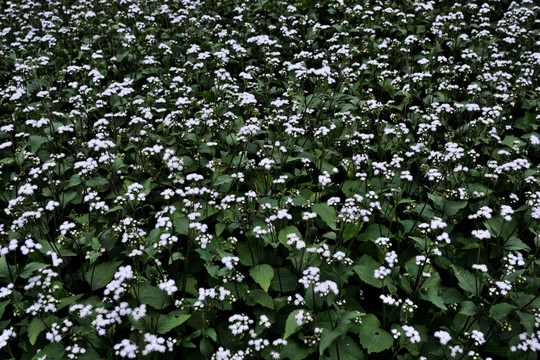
365 268
501 311
327 214
375 339
263 275
35 328
100 275
168 322
291 325
258 296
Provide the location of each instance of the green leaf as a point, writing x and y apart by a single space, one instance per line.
168 322
527 320
295 350
327 338
150 295
100 275
258 296
282 237
53 351
515 244
327 214
468 308
68 300
223 179
467 281
434 298
500 311
263 275
181 223
291 326
30 268
375 339
365 268
284 280
350 231
3 307
34 329
373 232
35 142
4 270
348 349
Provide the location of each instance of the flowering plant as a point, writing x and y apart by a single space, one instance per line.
269 180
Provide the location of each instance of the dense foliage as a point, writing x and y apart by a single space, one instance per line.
269 179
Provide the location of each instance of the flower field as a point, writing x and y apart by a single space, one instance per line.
269 179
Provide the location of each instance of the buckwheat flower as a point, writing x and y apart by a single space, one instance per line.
311 275
239 324
382 241
534 140
27 189
391 258
299 317
483 211
444 237
480 267
169 286
266 163
230 262
6 291
455 350
481 234
381 272
324 288
389 300
126 349
443 337
51 205
154 343
421 259
6 335
437 223
411 334
308 215
324 179
283 213
55 259
478 337
29 246
222 354
506 211
264 321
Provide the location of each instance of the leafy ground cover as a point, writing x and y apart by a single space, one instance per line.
269 179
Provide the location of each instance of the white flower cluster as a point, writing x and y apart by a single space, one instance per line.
239 324
156 344
118 286
169 286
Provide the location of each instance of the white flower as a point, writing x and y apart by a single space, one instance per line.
480 267
324 179
325 287
126 349
264 321
299 317
443 336
478 337
412 334
168 286
481 234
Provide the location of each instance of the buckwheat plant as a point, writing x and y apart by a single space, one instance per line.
270 179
